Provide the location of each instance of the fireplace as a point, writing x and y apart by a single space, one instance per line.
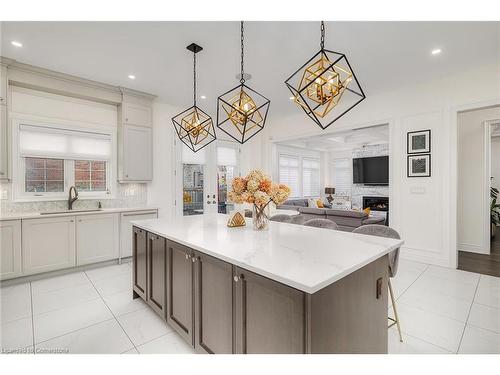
376 203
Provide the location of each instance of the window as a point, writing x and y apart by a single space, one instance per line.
227 163
44 175
289 173
51 159
342 174
310 178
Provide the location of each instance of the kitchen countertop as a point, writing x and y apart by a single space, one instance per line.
304 258
75 212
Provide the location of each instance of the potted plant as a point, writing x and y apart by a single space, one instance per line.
494 210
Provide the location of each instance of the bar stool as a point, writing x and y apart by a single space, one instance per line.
321 223
383 231
282 218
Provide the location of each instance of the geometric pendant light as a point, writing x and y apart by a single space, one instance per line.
194 127
325 87
242 111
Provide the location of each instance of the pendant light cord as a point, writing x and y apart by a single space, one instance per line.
322 43
242 79
194 78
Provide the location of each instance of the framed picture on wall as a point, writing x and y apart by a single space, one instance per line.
419 142
419 165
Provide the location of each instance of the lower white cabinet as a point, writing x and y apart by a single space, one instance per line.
126 229
97 238
48 244
10 249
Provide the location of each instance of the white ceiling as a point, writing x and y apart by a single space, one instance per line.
343 140
384 55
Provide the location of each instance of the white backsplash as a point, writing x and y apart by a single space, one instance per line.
358 191
127 195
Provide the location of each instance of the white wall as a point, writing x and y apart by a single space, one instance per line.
473 175
423 210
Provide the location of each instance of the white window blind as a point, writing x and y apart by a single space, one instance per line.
310 178
342 173
289 173
190 157
227 156
59 143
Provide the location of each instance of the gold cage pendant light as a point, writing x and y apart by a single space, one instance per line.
325 87
194 127
242 111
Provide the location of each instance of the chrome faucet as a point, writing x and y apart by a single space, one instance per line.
72 197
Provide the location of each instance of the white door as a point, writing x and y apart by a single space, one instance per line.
203 178
10 249
97 238
137 153
48 244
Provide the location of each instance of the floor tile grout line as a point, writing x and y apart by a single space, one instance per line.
156 338
468 315
427 342
414 281
112 313
32 319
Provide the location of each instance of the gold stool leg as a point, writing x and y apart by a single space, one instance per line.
396 320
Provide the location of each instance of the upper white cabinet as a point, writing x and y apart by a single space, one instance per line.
10 249
48 244
126 229
97 238
4 145
3 84
135 139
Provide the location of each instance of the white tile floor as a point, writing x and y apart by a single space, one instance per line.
441 311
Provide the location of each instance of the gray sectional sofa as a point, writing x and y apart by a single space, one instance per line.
347 220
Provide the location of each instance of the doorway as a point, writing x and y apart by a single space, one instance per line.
478 241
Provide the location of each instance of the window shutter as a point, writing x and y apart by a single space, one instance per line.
289 173
190 157
227 156
342 168
59 143
310 177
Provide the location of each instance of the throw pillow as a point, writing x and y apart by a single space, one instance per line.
367 211
320 204
312 203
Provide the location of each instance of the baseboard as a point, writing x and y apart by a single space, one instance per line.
472 248
408 254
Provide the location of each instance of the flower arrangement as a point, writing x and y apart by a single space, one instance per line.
258 189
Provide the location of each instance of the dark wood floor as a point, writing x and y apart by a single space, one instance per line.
484 264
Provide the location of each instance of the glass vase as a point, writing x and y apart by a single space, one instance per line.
260 217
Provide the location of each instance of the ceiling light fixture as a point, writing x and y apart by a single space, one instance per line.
436 51
16 43
131 76
203 97
194 127
325 87
241 111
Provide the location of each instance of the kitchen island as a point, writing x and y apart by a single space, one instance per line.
292 289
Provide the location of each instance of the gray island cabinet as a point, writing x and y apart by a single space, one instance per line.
219 304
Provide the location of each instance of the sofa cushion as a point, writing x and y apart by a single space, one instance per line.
346 213
374 220
312 211
296 202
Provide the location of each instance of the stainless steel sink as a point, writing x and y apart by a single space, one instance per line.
70 211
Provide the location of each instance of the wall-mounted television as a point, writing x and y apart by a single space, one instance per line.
371 171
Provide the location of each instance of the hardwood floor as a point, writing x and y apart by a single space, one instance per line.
484 264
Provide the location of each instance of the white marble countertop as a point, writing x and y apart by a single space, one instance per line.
75 212
305 258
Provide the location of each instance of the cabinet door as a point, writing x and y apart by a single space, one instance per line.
96 238
136 114
270 316
213 305
126 229
3 85
157 267
4 152
137 153
180 289
48 244
10 249
140 263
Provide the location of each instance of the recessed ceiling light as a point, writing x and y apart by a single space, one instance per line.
292 98
203 97
131 76
16 43
436 51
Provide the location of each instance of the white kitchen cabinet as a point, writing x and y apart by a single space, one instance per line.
136 154
4 145
126 229
97 238
48 244
3 84
136 114
10 249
